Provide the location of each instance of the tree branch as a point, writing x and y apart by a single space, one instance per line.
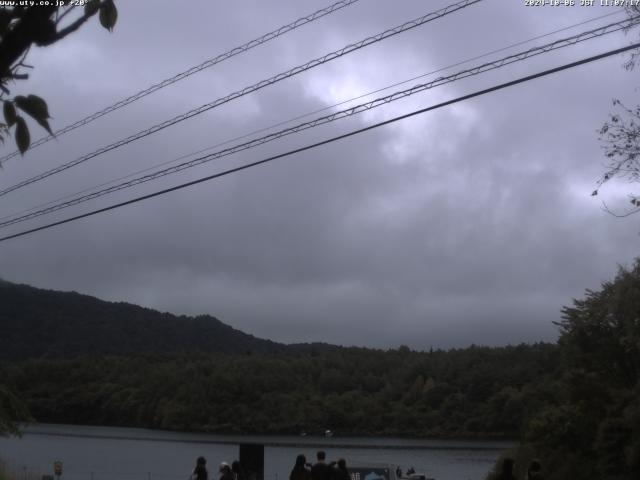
64 14
20 38
76 24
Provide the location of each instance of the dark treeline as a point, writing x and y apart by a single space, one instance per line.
470 392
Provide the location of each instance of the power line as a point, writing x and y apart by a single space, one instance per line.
308 114
517 57
330 140
298 117
187 73
263 83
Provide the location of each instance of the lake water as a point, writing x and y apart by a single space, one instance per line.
107 453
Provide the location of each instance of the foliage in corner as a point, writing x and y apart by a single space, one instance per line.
21 27
592 430
620 137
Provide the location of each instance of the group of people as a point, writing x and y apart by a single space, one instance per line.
301 470
534 472
321 470
233 472
337 470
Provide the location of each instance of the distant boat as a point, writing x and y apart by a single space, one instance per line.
328 433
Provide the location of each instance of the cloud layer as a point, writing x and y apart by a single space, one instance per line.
469 224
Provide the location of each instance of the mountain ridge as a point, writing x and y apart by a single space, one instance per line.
37 322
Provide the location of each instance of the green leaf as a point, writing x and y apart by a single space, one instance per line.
22 135
91 7
37 108
108 15
33 105
10 115
45 124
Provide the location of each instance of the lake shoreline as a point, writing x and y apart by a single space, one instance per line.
269 440
104 453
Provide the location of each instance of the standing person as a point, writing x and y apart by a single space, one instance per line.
320 470
225 471
300 470
507 470
534 472
200 472
237 471
341 472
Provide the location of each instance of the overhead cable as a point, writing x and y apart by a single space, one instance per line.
517 57
305 115
299 117
257 86
329 140
187 73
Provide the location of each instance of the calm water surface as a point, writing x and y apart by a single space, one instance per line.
107 453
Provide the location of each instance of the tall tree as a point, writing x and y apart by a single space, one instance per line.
594 429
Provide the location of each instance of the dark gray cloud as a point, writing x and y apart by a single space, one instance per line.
470 224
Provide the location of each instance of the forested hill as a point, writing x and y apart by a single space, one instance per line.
45 323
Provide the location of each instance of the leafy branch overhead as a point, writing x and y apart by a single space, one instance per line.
21 27
620 138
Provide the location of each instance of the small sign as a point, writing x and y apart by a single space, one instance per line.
57 468
364 473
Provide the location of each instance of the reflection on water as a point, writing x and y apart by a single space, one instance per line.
105 453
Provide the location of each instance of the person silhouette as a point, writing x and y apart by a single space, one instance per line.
200 470
534 472
320 470
225 471
300 470
507 470
341 472
238 471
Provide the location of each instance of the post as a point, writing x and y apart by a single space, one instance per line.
252 460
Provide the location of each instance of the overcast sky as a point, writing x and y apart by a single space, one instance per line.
469 224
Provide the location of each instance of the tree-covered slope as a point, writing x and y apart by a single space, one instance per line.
45 323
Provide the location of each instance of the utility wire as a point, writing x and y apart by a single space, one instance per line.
517 57
305 115
330 140
263 83
182 75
